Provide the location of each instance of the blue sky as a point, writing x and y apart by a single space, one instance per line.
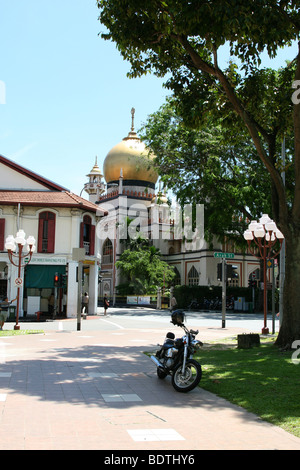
67 97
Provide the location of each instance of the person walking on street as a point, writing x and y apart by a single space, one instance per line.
173 303
85 303
4 311
106 304
51 304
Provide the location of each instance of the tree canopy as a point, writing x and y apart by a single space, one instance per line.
142 266
201 166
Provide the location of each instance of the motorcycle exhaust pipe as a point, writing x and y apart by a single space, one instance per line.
156 361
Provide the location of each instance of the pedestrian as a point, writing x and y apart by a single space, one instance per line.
106 303
4 310
173 303
85 303
51 304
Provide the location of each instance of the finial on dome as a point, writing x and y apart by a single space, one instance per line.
132 119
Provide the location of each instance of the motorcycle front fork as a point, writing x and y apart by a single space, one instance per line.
184 359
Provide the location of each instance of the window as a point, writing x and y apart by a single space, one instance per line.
107 252
193 277
2 231
87 235
234 282
177 278
46 236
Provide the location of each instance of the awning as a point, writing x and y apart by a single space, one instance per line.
42 276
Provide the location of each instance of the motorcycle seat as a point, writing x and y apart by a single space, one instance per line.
169 343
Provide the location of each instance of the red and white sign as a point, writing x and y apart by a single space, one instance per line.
19 282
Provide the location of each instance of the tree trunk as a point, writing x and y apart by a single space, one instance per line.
290 327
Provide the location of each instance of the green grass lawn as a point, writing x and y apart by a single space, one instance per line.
262 380
19 332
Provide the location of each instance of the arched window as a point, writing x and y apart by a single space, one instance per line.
46 236
107 252
193 277
177 278
87 235
234 281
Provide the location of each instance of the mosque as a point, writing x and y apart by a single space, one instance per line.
129 187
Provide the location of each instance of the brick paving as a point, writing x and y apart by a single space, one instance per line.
84 390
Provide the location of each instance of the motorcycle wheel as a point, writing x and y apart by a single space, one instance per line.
161 374
190 379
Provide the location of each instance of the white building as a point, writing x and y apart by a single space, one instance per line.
60 221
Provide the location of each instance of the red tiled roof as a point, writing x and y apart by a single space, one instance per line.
48 199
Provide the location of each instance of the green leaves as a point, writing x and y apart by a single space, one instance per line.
142 266
148 33
218 169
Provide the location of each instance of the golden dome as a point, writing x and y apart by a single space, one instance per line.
132 157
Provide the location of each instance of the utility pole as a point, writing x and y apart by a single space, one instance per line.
223 292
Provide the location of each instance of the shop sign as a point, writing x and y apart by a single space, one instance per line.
48 261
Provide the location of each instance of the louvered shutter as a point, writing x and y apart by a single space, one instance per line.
2 232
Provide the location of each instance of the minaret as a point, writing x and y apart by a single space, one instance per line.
121 182
95 186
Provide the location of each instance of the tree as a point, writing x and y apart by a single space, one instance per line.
206 166
141 264
182 39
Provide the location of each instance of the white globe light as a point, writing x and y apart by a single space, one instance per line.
279 235
10 245
264 219
20 237
259 232
252 225
30 240
271 226
248 235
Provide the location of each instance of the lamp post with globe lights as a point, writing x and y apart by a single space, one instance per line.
17 259
265 235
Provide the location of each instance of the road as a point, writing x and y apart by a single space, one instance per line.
136 318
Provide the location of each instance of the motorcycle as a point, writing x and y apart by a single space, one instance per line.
194 305
175 357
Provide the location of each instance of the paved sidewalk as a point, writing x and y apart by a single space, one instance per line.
97 390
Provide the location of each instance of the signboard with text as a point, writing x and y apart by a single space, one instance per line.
224 255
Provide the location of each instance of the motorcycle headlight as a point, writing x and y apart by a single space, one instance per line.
196 344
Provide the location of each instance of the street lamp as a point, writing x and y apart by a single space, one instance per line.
16 259
264 234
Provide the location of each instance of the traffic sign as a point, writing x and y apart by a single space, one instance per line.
270 263
223 255
19 282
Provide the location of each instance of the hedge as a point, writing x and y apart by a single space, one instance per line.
185 294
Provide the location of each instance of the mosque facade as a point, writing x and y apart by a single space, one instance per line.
129 188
